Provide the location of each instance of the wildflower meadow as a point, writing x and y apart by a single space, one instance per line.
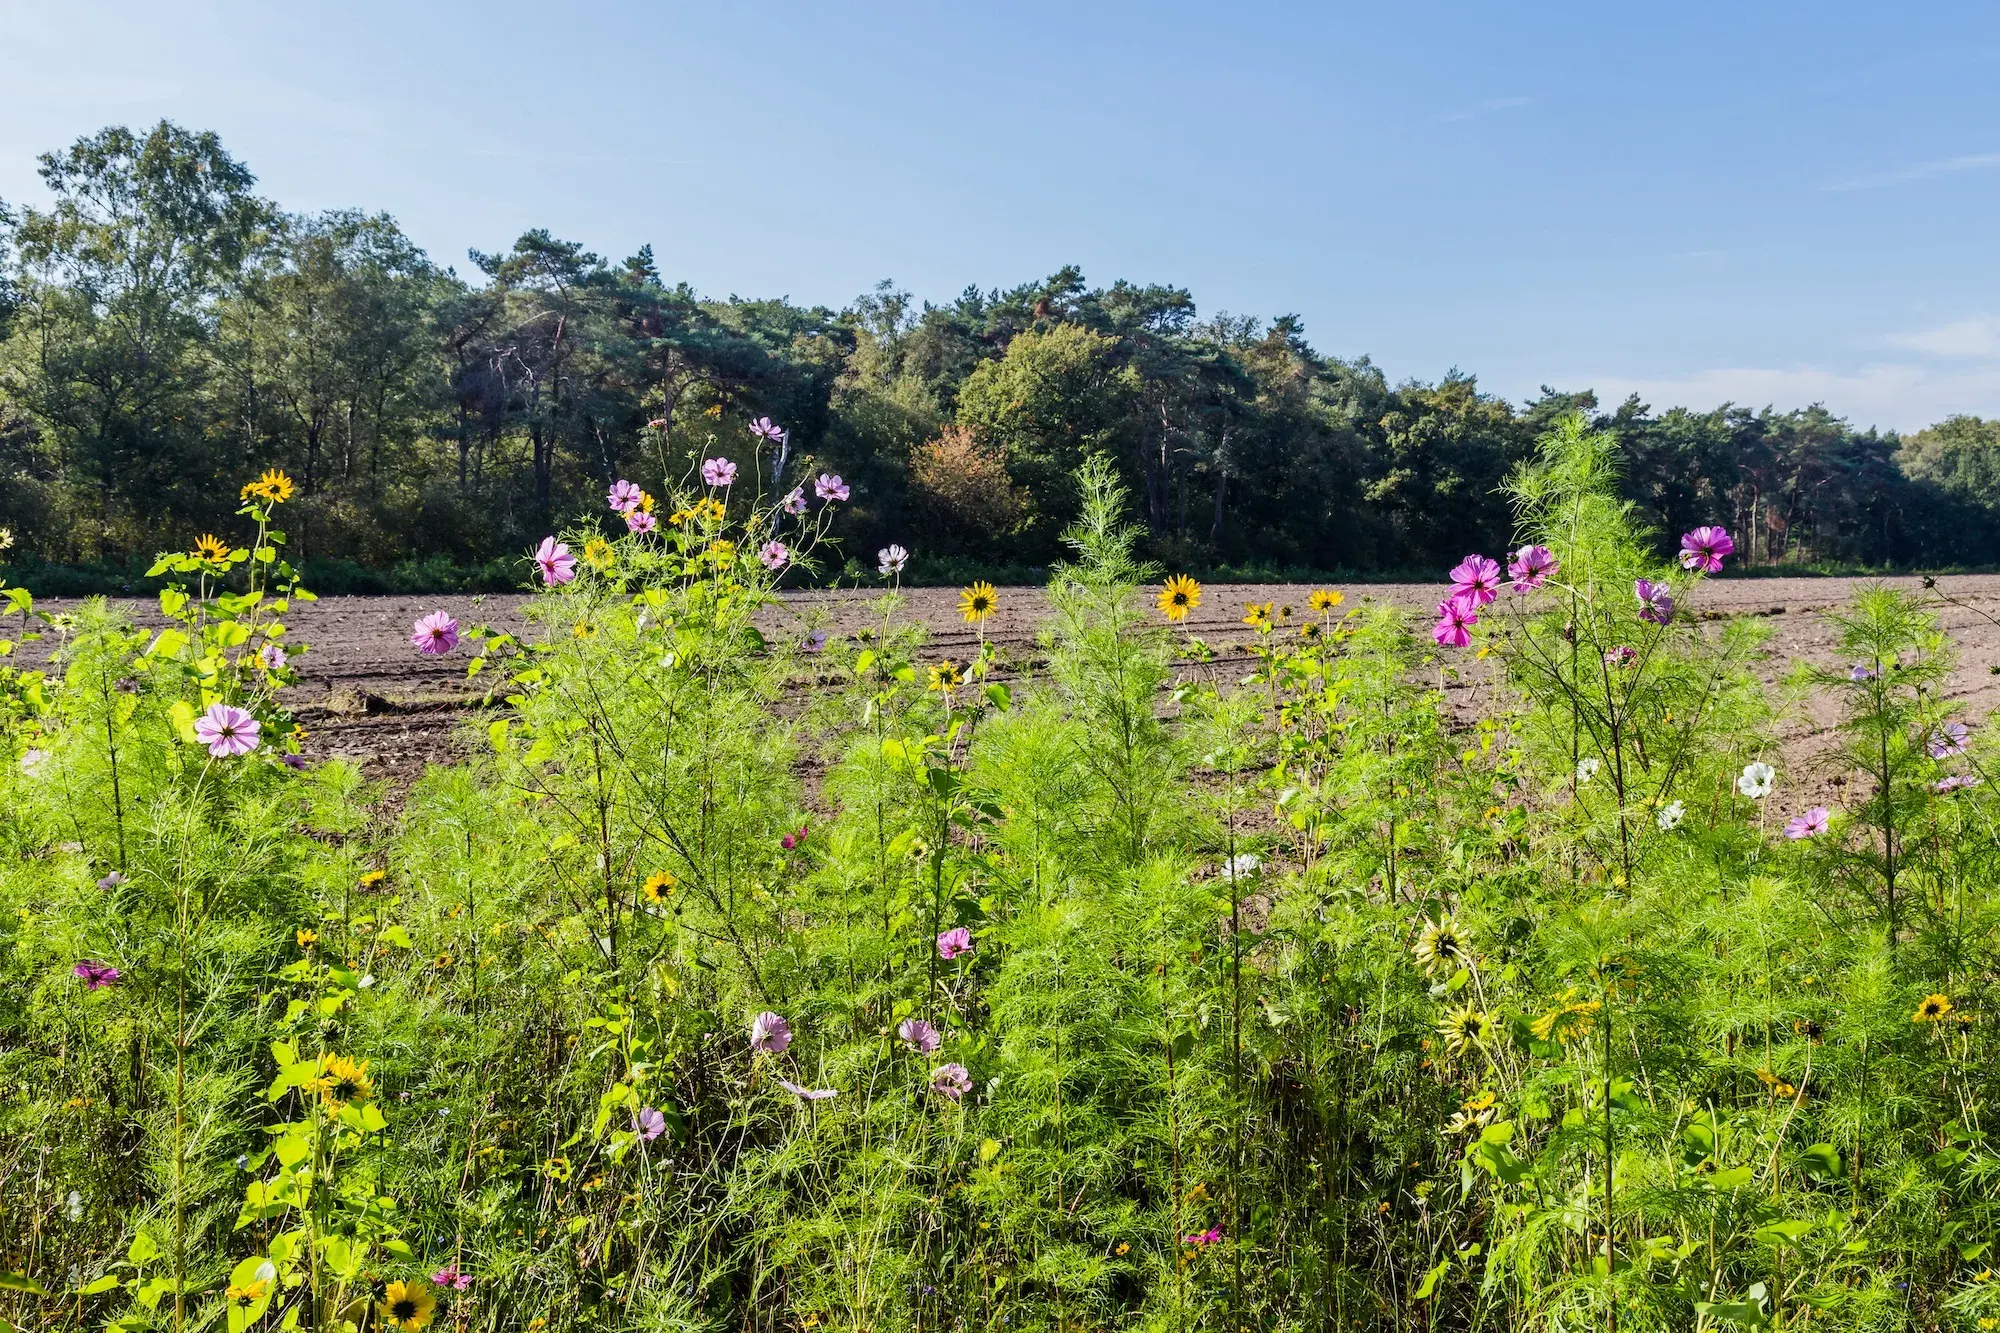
747 979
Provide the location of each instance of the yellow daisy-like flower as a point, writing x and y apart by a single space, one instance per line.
407 1305
708 510
1568 1022
598 555
1257 614
308 938
342 1080
211 547
1443 946
646 502
582 629
723 552
1463 1028
1932 1009
557 1169
372 878
247 1295
978 602
274 486
1309 630
1325 599
658 887
1178 596
945 676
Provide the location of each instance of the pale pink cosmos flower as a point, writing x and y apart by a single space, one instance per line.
435 635
919 1035
766 429
226 730
1956 782
624 496
1861 673
795 503
1620 656
809 1094
556 563
1704 549
649 1124
270 656
1531 567
954 942
773 555
953 1080
770 1033
1476 579
830 487
718 472
639 521
1808 825
450 1278
1455 622
1950 739
891 559
1656 601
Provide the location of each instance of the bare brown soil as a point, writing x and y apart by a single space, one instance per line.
368 696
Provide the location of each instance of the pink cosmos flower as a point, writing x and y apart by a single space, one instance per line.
1531 567
891 559
1860 673
435 635
770 1033
557 564
953 1080
112 881
96 976
449 1277
1620 656
1956 782
623 497
1476 580
226 730
1455 622
954 942
1950 739
1656 602
649 1124
718 472
919 1035
765 429
270 656
1208 1237
1704 549
293 761
773 555
640 521
792 840
795 503
1808 825
810 1094
815 641
830 487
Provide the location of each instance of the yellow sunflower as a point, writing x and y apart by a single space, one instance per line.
658 887
1257 614
977 602
308 938
249 1294
598 555
407 1305
1463 1028
342 1080
211 547
1442 946
1325 599
945 677
1932 1009
274 486
1179 596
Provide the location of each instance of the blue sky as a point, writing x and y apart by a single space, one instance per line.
1779 203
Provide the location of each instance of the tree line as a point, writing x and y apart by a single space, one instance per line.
165 332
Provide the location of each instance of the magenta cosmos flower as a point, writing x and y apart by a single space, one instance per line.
1208 1237
1455 622
830 487
639 521
1476 579
1531 567
1950 739
624 496
435 635
718 472
226 730
649 1124
953 1080
766 429
773 555
1704 549
96 975
956 941
1656 603
770 1033
919 1035
450 1278
556 563
1808 825
792 840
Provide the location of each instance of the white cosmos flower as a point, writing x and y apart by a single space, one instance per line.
1756 780
1670 815
1586 769
1240 867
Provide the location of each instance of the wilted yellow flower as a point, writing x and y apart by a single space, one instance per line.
977 602
1569 1021
1464 1027
1442 946
407 1305
1179 596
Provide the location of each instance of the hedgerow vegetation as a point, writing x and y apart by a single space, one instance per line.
747 980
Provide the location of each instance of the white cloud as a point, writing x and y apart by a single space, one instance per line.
1921 171
1893 396
1976 335
1486 108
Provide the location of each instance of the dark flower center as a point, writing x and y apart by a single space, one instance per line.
404 1309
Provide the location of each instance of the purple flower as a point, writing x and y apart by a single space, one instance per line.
112 881
557 564
1860 672
773 555
96 975
1620 656
795 503
954 942
1531 567
1656 602
810 1094
226 730
1956 782
271 656
918 1035
815 641
770 1033
1475 580
1808 825
765 429
1208 1237
435 635
640 521
293 761
891 559
451 1278
792 840
1950 739
1704 548
1455 621
830 487
953 1080
624 496
718 472
649 1124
